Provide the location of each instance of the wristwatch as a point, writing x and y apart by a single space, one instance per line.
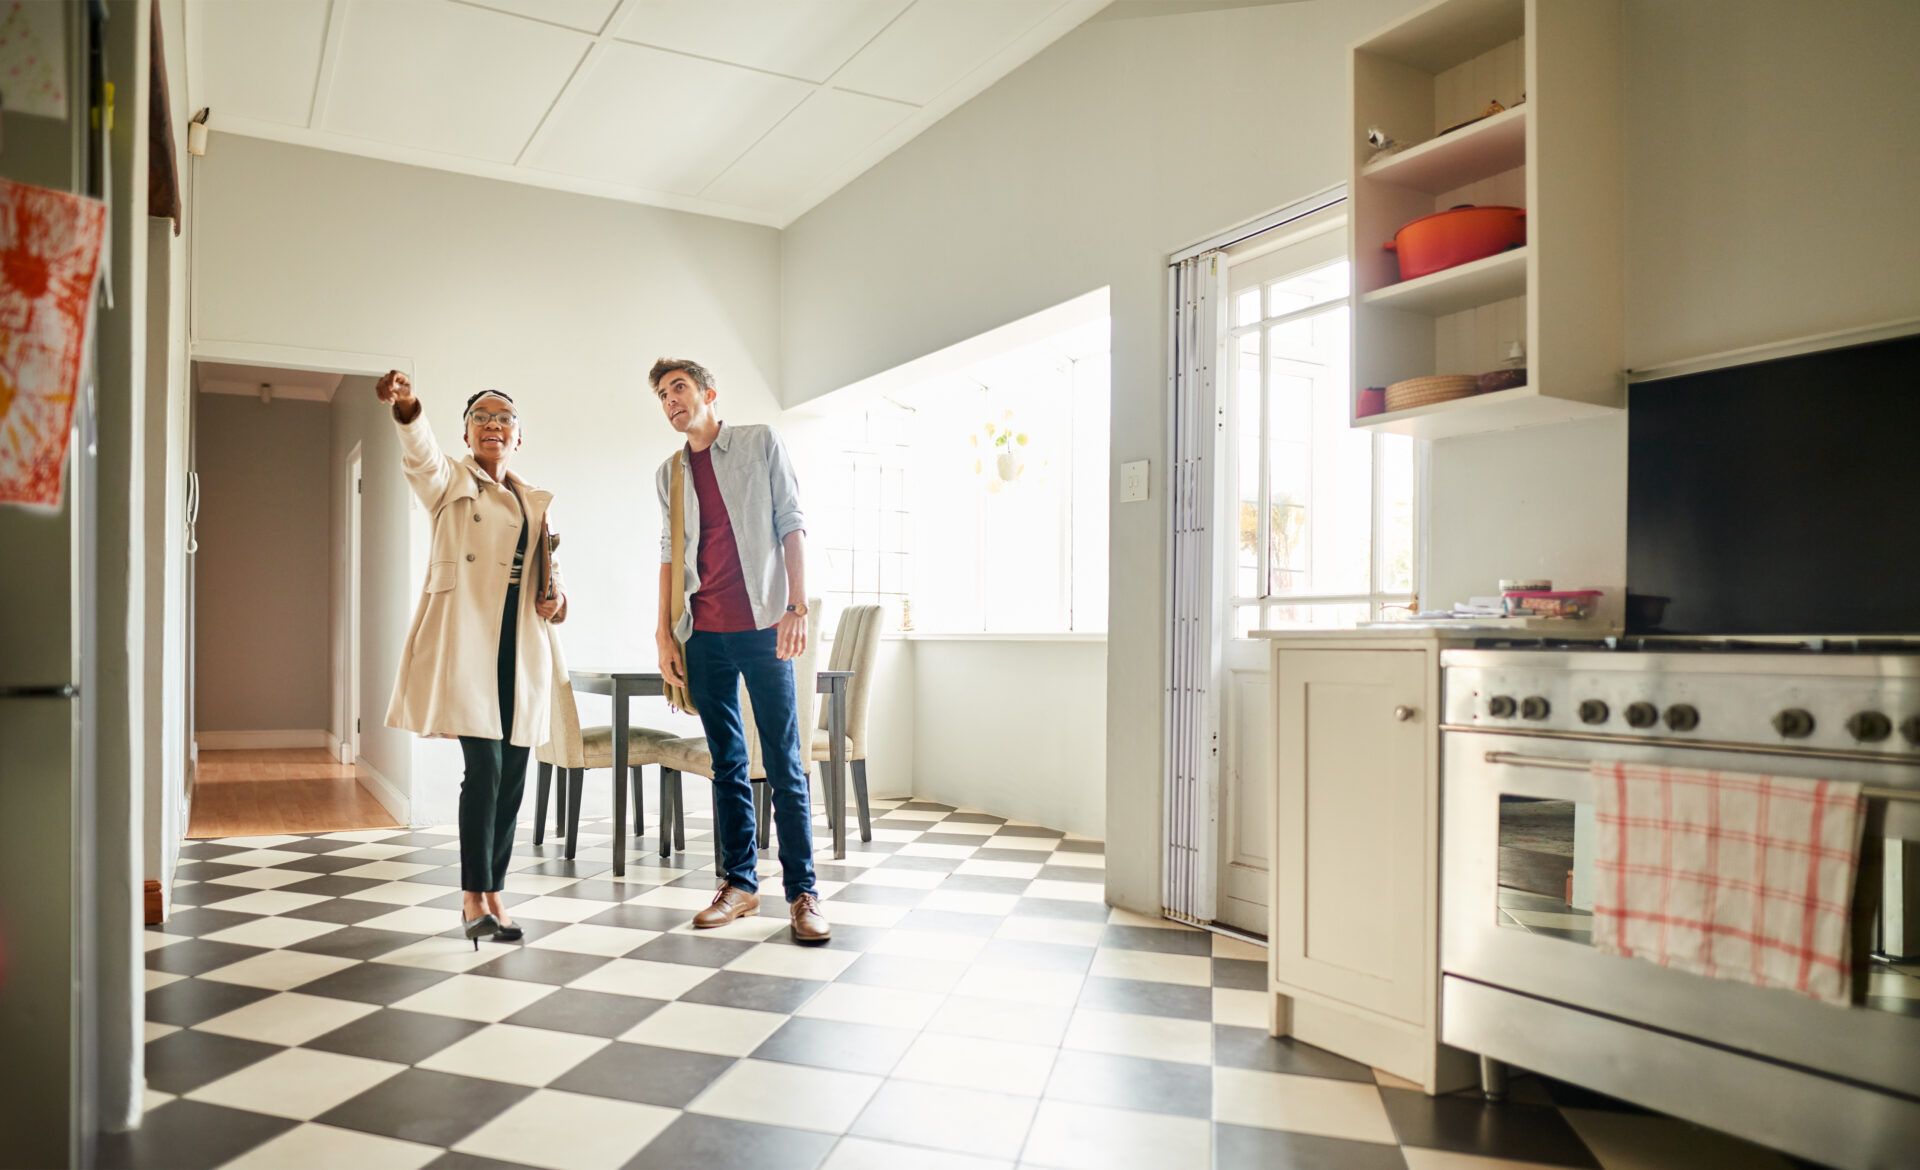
797 610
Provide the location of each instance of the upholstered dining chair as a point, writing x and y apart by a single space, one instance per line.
856 647
691 754
565 759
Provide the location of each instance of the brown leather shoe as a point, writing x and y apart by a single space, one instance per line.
809 925
730 903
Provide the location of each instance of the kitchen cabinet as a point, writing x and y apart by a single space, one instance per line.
1555 150
1353 952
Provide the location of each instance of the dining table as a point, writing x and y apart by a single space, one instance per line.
623 686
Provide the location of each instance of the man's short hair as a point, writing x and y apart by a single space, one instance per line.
699 373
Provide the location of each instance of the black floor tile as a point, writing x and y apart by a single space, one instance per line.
323 863
1147 998
201 871
924 806
401 1037
1241 974
556 866
195 1001
760 993
345 911
329 885
1035 956
1238 1146
860 1048
972 818
379 983
988 852
208 850
1099 847
846 937
189 1135
872 895
698 1140
1153 938
900 971
587 1013
446 875
922 864
429 856
202 893
1252 1048
1574 1097
979 883
935 837
1130 1082
1470 1125
1073 873
640 1072
596 888
951 922
355 942
425 841
1007 830
182 1061
435 1108
457 1161
691 950
1055 908
828 871
318 845
642 917
540 965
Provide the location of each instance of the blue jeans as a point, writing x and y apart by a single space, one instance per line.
716 663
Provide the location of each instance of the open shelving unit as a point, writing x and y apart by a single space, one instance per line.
1554 150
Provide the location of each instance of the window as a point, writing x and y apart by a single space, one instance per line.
866 527
1325 512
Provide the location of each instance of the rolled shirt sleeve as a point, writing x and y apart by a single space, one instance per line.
661 481
785 486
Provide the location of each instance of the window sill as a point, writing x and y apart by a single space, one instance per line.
921 636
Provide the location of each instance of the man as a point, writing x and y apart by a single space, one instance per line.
745 618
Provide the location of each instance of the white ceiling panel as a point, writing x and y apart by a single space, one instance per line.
260 60
585 15
800 38
805 151
661 121
448 77
936 43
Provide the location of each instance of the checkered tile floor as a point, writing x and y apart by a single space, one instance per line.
311 1004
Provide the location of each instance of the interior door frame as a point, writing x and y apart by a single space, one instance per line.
350 599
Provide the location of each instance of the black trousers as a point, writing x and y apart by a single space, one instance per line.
495 781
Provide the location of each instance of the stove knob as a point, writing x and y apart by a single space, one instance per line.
1870 726
1642 715
1683 717
1501 707
1593 711
1910 730
1535 708
1794 723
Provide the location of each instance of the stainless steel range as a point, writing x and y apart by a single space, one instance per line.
1521 982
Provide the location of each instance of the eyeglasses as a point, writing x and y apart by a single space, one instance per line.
505 418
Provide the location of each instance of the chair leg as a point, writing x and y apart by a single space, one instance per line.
679 815
576 778
560 802
543 778
762 812
826 799
639 803
667 811
860 794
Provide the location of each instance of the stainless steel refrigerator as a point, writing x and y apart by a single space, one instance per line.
47 674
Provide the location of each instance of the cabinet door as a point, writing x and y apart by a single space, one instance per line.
1352 860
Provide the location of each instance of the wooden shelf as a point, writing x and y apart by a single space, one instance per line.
1502 410
1485 148
1464 286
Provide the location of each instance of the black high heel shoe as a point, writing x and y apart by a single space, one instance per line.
509 933
476 928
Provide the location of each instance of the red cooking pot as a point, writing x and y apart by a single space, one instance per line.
1465 233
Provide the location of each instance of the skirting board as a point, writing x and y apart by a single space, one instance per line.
390 798
216 741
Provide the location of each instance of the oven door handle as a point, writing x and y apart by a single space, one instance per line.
1522 761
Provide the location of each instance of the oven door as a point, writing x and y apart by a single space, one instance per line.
1537 941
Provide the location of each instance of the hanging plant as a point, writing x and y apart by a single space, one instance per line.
1007 445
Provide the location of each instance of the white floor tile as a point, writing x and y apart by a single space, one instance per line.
1148 1037
1419 1159
674 898
1077 860
153 1030
568 1131
475 997
1227 947
404 894
520 1056
821 963
366 835
157 979
948 1119
1007 869
1059 988
264 841
287 1019
880 834
326 1147
299 1083
968 1062
854 1003
1189 970
928 944
267 902
436 954
272 932
151 1099
752 928
971 902
561 909
1031 928
414 920
1119 917
264 856
1242 1009
533 884
700 1027
1317 1105
261 879
865 1154
641 977
1035 845
1095 892
862 913
924 849
278 970
153 940
971 828
388 871
372 851
904 879
1090 1137
796 1096
1000 1019
581 939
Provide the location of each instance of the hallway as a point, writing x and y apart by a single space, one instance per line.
270 791
311 1004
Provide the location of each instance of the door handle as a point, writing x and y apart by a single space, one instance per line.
1404 714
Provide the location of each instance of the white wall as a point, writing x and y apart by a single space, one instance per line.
562 300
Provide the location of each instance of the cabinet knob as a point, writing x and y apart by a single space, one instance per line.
1404 714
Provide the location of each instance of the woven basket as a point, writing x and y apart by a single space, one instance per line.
1427 391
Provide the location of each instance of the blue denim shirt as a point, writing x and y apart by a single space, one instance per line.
762 496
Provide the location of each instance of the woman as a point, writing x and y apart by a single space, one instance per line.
481 657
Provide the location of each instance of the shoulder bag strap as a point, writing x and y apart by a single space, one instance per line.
678 697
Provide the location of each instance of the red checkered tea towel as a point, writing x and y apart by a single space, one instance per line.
1728 874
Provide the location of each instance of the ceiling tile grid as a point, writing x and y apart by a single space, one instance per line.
748 109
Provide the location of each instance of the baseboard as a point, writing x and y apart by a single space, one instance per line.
333 746
214 741
156 903
390 798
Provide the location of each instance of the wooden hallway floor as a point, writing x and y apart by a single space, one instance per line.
281 790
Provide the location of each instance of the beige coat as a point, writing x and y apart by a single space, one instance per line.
449 675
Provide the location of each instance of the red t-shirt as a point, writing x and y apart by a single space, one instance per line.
720 605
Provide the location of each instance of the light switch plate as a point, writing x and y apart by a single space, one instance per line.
1133 481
